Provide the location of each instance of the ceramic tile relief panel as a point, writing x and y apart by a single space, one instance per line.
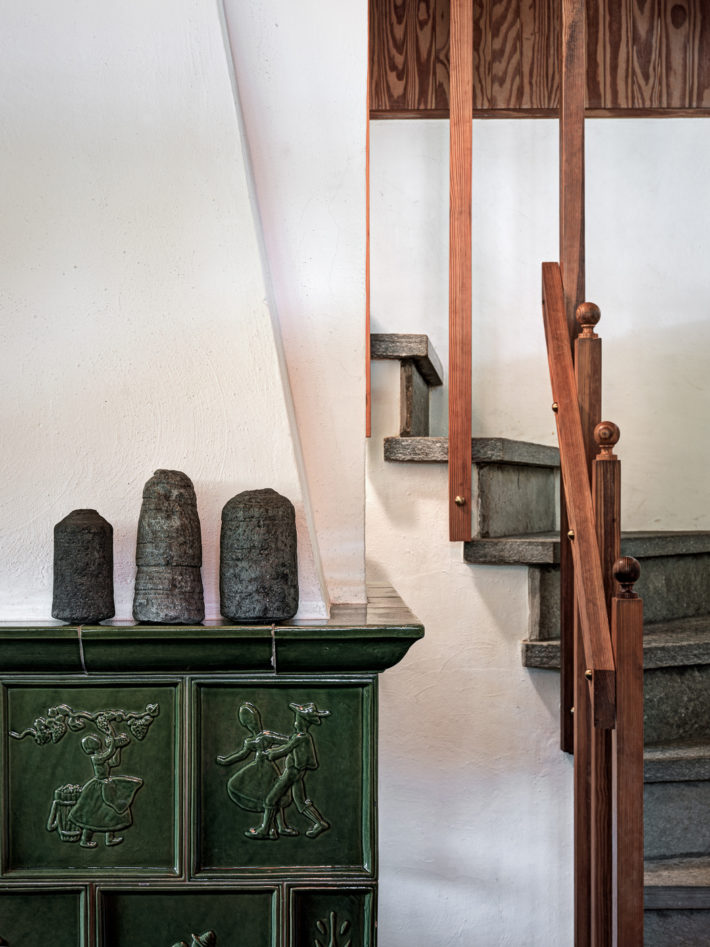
163 917
330 917
93 776
27 917
283 776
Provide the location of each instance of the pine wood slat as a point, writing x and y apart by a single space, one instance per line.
609 54
482 58
589 587
539 38
506 55
460 294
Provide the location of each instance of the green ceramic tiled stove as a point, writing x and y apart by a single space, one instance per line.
207 786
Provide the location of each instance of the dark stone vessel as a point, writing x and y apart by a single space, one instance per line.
169 553
258 577
83 568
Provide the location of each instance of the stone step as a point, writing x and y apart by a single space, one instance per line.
544 546
676 680
676 801
484 450
673 644
677 884
674 583
415 348
420 370
677 903
514 484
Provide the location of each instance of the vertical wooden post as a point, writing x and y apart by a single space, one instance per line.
573 70
583 728
592 747
627 641
368 360
606 494
573 83
460 294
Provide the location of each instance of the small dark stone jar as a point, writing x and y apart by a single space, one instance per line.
168 586
258 577
83 568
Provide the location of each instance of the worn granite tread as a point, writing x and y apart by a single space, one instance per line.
680 643
418 348
530 549
543 548
484 450
676 763
677 884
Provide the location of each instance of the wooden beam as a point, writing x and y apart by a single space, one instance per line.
460 291
368 361
572 94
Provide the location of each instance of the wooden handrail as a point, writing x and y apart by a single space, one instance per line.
589 584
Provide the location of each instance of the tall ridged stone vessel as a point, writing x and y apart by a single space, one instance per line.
168 586
258 577
83 568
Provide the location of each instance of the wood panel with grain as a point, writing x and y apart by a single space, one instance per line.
644 57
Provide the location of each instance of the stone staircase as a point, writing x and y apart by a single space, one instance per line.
515 512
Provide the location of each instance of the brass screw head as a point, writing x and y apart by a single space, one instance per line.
570 534
588 675
460 501
555 407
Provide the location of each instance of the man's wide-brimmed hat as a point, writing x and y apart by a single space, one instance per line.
208 939
309 711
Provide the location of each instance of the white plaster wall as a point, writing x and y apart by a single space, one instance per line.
647 207
135 327
474 793
301 69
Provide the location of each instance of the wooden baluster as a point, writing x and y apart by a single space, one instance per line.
606 495
627 640
592 746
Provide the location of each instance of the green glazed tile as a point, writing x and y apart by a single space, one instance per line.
162 917
92 778
284 776
27 917
341 917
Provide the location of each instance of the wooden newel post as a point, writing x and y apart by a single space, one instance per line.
606 496
627 641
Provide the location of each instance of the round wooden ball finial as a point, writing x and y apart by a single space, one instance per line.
588 315
627 571
606 435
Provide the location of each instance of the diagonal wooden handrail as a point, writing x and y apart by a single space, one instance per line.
589 584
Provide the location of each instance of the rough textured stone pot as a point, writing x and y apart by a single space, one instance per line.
258 578
169 552
83 568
